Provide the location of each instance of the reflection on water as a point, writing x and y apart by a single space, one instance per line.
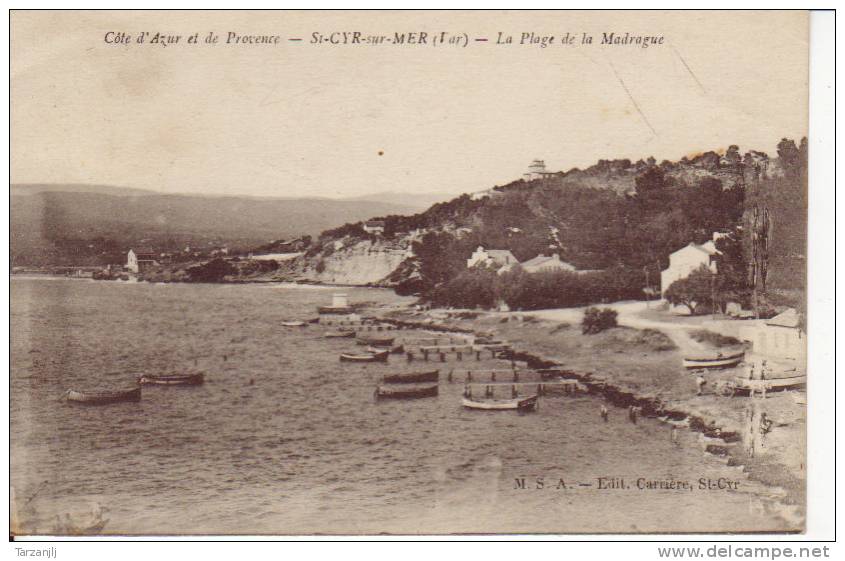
284 439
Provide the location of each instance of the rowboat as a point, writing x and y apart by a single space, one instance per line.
338 334
412 377
522 404
173 380
375 341
101 398
293 324
386 392
770 384
719 361
377 349
369 357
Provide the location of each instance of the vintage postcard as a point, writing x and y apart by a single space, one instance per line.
421 272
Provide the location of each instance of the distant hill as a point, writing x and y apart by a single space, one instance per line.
420 200
95 224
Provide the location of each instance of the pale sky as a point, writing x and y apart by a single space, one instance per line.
297 119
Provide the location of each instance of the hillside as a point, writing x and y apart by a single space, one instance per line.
95 224
617 214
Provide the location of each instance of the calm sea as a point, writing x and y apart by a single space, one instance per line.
305 448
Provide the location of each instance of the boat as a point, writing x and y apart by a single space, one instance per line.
101 398
405 392
377 349
521 404
412 377
375 341
294 324
339 334
744 385
368 357
719 361
173 380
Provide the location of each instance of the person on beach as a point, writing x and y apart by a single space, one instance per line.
674 435
765 428
632 414
603 413
700 382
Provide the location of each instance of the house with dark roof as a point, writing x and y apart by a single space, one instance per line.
545 263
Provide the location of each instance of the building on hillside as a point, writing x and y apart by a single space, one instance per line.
537 170
374 227
543 263
688 259
500 259
779 338
139 260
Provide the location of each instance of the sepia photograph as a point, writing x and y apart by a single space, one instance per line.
406 273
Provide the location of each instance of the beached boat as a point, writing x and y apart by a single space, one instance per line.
368 357
395 349
718 361
294 324
744 385
522 404
405 392
101 398
339 334
173 380
375 341
412 377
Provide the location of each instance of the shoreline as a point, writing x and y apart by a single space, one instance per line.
719 433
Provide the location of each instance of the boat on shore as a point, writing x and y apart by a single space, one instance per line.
405 392
412 377
172 380
102 398
718 361
520 404
339 334
375 341
294 324
368 357
744 385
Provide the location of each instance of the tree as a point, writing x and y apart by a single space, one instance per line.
701 286
597 320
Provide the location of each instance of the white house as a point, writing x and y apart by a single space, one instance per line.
778 338
688 259
139 260
537 170
546 263
374 226
501 259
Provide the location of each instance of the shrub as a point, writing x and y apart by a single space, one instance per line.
597 320
714 339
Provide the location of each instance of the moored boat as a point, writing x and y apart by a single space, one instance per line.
368 357
173 379
405 392
521 404
375 341
293 324
339 334
412 377
718 361
102 398
395 349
